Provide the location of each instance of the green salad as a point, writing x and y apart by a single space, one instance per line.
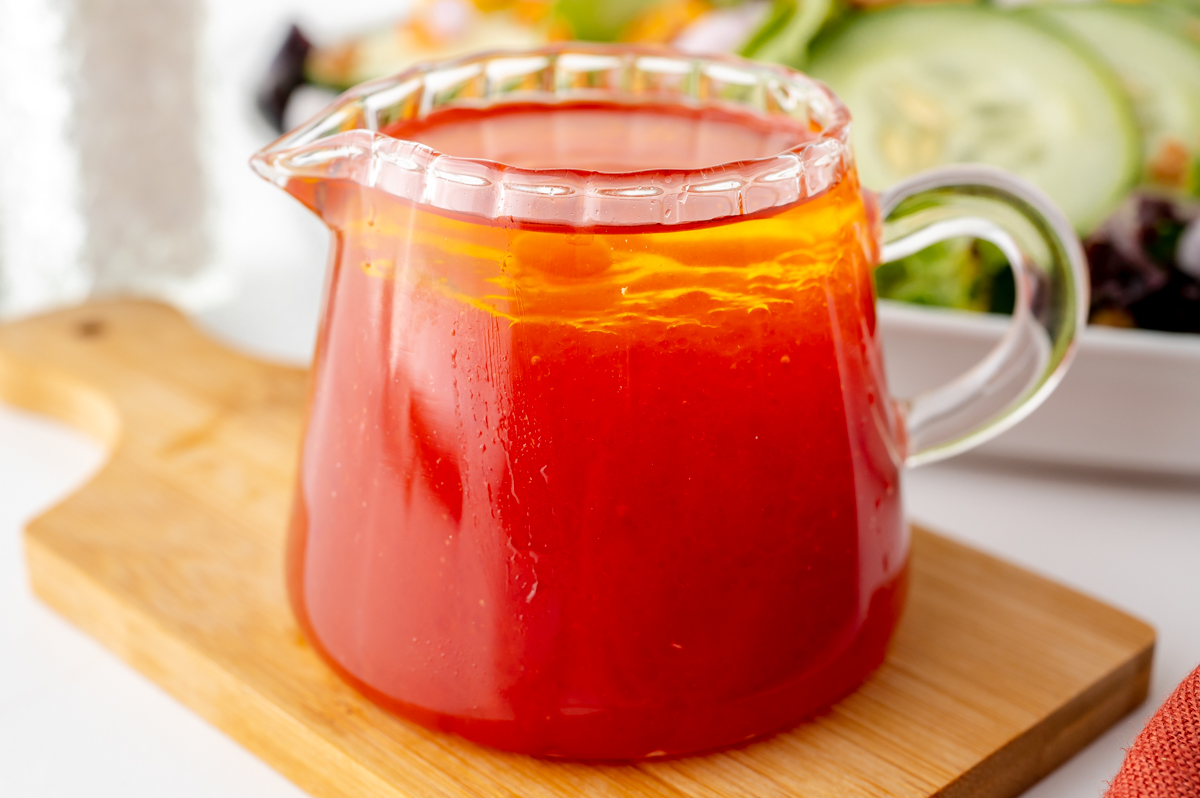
1096 103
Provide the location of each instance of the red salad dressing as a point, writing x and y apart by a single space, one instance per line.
608 493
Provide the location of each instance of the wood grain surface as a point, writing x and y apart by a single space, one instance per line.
172 557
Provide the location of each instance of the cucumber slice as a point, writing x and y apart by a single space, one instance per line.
1160 69
933 85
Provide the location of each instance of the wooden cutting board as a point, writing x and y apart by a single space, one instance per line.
172 557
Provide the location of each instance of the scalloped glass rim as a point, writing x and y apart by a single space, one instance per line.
344 141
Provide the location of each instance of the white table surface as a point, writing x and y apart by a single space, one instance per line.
76 721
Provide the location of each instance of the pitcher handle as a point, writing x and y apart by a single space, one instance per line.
1050 273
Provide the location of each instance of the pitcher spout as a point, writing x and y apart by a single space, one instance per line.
346 143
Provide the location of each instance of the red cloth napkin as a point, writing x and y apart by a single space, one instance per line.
1164 761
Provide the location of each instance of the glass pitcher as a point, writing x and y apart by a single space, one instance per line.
600 461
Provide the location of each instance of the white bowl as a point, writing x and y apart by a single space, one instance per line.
1130 400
